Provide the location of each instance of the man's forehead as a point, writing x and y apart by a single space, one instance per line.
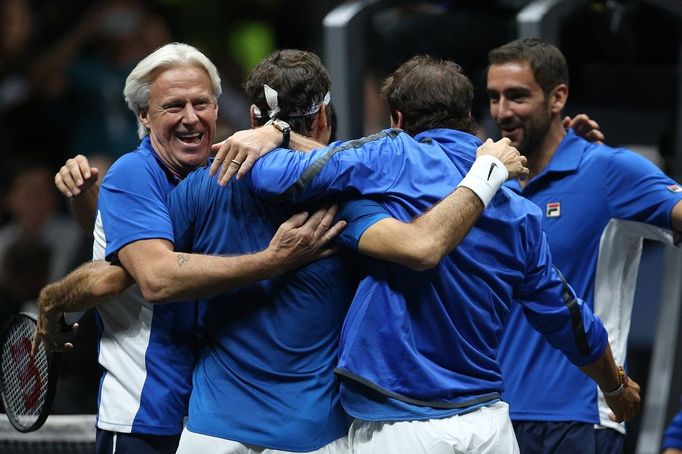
511 74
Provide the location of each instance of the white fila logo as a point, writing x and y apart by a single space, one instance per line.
553 210
674 188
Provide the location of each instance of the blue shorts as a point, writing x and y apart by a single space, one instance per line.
122 443
566 438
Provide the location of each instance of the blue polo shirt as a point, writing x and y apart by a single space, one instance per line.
146 350
429 339
265 372
589 196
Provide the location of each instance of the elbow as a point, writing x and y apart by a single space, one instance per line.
423 256
154 291
154 286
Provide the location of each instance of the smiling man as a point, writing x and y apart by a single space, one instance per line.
598 204
147 350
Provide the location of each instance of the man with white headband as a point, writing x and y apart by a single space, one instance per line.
270 352
418 351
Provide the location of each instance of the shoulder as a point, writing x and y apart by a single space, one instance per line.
139 161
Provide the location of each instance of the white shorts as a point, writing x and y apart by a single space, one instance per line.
192 443
487 430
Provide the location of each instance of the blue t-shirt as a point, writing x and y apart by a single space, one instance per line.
265 372
586 193
430 338
147 351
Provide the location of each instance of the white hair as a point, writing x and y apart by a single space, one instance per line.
173 55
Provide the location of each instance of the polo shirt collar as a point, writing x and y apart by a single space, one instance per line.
566 159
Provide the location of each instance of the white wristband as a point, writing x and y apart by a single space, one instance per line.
485 177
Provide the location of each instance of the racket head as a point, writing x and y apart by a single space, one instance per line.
27 383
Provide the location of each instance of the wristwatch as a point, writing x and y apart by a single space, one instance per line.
286 131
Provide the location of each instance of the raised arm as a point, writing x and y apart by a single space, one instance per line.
80 184
239 152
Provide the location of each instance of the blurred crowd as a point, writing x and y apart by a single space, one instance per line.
63 65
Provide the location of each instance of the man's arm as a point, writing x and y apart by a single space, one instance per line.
85 287
422 243
239 152
553 309
80 184
620 391
165 275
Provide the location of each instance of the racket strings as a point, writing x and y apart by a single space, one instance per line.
24 381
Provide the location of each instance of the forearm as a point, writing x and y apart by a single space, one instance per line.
84 208
422 243
448 222
303 143
165 276
85 287
604 371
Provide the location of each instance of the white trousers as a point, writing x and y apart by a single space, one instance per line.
487 430
193 443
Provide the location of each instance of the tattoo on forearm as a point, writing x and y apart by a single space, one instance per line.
182 259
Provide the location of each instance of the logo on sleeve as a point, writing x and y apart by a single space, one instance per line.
674 188
553 210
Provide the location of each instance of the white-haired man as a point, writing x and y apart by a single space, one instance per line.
148 351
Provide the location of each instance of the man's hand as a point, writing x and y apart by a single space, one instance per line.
239 152
303 239
514 161
52 331
584 127
626 405
76 176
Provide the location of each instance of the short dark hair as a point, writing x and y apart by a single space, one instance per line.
301 82
547 62
430 93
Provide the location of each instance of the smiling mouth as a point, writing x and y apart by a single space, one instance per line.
190 138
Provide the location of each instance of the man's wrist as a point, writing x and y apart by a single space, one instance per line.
485 177
284 128
618 390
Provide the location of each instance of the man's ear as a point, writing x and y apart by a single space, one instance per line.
321 118
557 98
143 115
397 119
252 116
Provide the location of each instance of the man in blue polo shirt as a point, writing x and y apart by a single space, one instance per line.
597 204
418 350
148 350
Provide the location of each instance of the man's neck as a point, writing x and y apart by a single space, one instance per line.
540 156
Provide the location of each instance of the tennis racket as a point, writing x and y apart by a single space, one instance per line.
27 383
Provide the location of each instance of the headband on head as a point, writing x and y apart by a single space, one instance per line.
271 99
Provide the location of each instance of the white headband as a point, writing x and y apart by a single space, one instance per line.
271 99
